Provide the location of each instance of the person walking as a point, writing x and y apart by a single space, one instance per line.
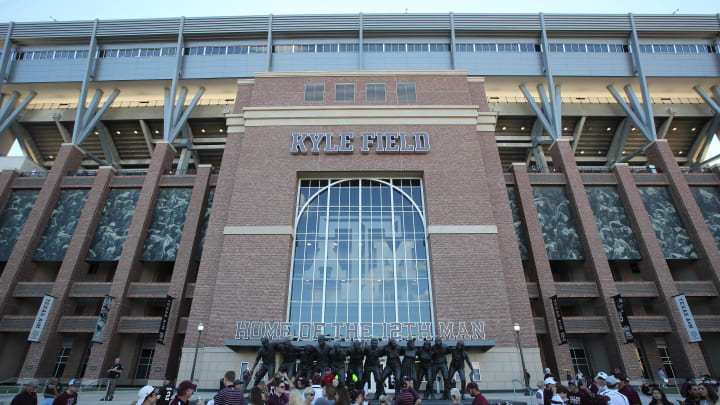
663 378
479 399
184 391
612 394
230 395
147 395
113 374
625 389
70 396
28 396
166 392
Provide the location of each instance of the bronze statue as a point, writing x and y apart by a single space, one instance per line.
322 355
458 358
307 358
439 365
266 352
407 367
337 361
372 365
425 356
392 351
289 359
355 366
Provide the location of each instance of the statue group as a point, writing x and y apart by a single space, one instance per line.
356 362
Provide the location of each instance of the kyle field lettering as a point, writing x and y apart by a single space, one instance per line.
381 142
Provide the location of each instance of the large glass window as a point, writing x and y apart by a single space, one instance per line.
360 253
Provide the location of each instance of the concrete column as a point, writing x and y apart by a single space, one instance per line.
660 155
687 357
165 360
68 159
623 354
101 355
42 355
538 254
7 179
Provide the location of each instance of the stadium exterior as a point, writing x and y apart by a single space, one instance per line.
361 175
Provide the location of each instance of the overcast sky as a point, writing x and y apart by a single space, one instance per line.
44 10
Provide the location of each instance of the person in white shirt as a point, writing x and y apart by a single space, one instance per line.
612 394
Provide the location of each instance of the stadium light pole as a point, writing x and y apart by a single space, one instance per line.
201 327
516 326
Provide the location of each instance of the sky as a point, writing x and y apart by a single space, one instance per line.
48 10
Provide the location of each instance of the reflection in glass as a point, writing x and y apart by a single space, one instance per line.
360 253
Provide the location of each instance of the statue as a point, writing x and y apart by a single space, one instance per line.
266 352
322 355
425 356
355 366
307 358
289 359
337 361
439 364
372 366
392 351
458 358
407 367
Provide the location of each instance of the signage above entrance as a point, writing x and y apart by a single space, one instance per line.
381 142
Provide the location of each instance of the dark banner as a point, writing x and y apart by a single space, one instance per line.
559 320
102 320
624 321
164 320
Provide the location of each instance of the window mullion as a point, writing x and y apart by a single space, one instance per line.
325 256
360 249
394 254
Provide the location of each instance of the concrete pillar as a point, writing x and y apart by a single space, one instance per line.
686 356
41 355
101 355
68 159
165 360
538 254
622 354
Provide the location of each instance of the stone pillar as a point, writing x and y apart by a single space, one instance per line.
623 354
166 355
538 254
41 355
101 355
7 179
68 159
687 356
660 155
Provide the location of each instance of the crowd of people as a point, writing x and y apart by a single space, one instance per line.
614 389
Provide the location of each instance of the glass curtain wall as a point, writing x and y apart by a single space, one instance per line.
360 253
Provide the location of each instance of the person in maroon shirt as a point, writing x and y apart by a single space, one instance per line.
625 389
328 377
279 397
70 396
183 393
579 395
28 396
473 390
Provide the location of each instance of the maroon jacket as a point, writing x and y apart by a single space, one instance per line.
66 398
25 398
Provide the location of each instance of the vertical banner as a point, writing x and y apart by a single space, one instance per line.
102 320
688 319
559 320
40 318
624 321
164 320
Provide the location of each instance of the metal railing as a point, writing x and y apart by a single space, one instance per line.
34 173
76 173
132 172
652 169
543 169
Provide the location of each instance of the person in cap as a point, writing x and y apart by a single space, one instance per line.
405 396
113 374
625 389
549 391
598 385
183 393
70 396
547 373
411 388
279 397
612 394
474 392
166 392
147 395
27 396
229 395
560 395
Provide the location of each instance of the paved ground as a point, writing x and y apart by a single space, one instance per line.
127 396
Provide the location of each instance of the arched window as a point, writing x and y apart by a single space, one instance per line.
360 253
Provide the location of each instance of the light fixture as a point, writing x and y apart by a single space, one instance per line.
633 128
96 132
522 128
565 129
221 130
599 152
50 157
516 327
680 152
582 152
623 152
608 129
117 132
504 128
157 132
693 129
309 244
201 327
674 128
202 130
135 132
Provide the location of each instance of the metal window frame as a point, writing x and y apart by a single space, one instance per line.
330 183
367 92
322 92
344 84
414 92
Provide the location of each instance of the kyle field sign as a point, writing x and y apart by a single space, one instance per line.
381 142
448 330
